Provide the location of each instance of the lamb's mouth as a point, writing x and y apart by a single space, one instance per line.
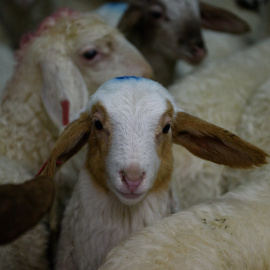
130 196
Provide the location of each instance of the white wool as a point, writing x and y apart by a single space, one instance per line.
253 126
230 232
217 93
94 223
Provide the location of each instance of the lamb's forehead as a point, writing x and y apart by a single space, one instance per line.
132 93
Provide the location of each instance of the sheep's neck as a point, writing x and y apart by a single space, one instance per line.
104 221
26 132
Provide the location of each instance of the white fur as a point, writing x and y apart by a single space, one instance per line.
254 126
96 222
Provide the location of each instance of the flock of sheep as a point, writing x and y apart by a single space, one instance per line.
147 183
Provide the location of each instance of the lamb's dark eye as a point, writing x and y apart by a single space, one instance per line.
98 125
90 54
166 129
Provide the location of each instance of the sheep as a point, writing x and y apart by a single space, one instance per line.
229 232
166 31
221 45
219 94
124 183
68 57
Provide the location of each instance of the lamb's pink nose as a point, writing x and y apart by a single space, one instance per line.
132 176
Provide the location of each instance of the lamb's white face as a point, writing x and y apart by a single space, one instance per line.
132 116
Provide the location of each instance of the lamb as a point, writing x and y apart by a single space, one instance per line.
229 232
68 57
166 31
219 94
124 184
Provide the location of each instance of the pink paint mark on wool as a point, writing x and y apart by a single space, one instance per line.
65 112
42 168
47 23
58 162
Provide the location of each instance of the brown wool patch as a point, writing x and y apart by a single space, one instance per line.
99 145
164 150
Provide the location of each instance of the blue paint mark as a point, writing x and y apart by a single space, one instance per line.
128 78
120 6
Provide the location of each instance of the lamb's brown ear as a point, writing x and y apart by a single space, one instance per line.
72 139
216 144
219 19
130 19
23 205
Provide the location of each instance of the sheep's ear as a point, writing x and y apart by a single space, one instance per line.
72 139
130 19
219 19
63 89
23 205
213 143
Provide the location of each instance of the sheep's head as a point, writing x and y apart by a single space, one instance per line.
130 124
173 27
76 53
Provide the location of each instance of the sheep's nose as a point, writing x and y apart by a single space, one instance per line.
198 48
132 176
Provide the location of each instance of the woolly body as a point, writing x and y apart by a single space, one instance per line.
254 125
230 232
218 93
